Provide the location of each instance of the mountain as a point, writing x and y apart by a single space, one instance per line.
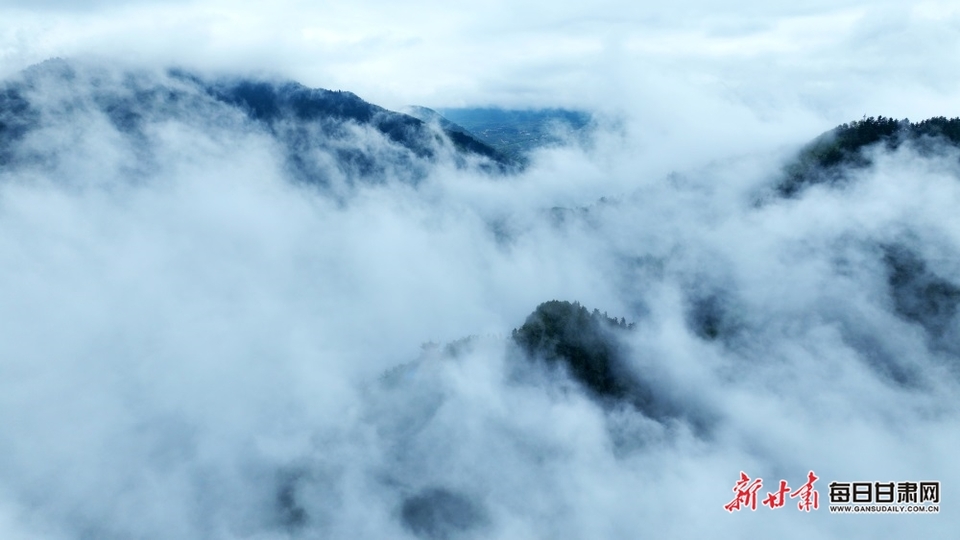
826 159
464 140
275 104
329 138
512 132
564 333
214 288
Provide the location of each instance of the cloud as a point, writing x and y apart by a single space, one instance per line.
775 58
194 343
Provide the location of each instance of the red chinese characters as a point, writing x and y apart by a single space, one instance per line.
778 499
746 492
808 496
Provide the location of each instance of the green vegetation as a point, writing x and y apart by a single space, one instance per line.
583 342
826 158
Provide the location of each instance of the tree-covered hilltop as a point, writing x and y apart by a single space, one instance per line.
826 158
583 342
591 348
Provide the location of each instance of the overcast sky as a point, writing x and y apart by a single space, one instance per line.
835 60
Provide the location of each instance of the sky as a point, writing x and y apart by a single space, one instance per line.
833 60
195 344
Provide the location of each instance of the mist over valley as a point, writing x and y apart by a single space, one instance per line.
235 304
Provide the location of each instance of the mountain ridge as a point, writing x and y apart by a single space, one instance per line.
329 137
825 159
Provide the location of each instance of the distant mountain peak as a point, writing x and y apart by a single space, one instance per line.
826 159
513 132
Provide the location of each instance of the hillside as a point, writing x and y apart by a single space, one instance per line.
331 139
825 159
